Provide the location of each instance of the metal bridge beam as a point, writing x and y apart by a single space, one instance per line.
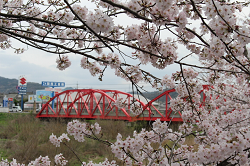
93 104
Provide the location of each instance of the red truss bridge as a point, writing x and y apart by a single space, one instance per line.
100 104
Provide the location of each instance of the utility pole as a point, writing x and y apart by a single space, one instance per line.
34 106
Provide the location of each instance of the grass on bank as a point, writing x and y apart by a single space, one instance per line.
24 137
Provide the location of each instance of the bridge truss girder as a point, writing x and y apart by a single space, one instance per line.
100 104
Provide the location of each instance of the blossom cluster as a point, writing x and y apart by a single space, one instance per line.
140 145
168 82
99 21
120 103
111 59
40 161
79 130
134 107
60 160
106 162
63 62
92 66
56 141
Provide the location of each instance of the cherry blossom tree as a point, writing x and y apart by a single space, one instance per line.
216 32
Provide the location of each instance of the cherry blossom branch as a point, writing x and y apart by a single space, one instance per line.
235 123
136 15
6 162
208 68
202 19
172 149
129 155
27 18
189 94
134 47
91 30
133 83
50 43
212 31
193 32
73 152
185 41
226 21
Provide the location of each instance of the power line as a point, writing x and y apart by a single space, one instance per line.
107 84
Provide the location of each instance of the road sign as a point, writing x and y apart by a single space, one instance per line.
22 81
53 84
22 87
22 93
20 90
10 99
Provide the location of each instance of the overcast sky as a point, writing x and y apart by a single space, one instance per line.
40 66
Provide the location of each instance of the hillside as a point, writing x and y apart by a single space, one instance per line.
152 95
9 86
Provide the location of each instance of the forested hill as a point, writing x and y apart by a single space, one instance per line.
152 95
9 86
